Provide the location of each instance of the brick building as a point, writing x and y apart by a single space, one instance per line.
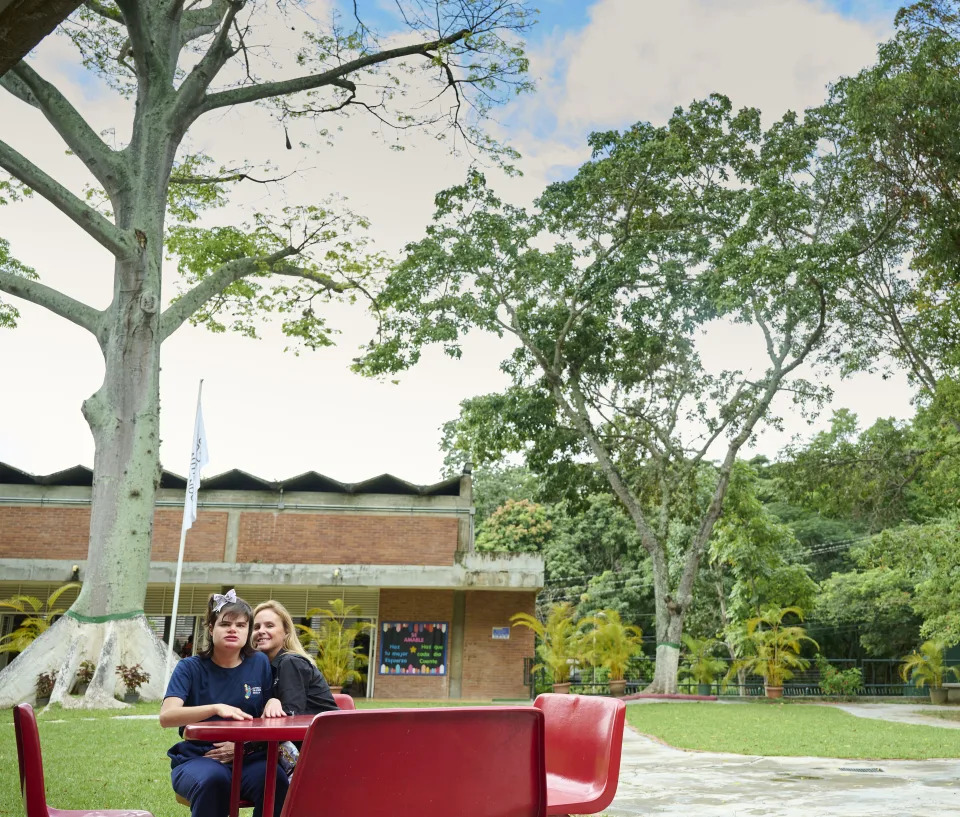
402 553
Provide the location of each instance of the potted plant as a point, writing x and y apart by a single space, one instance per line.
774 649
558 641
701 665
927 667
133 677
84 676
45 684
338 656
609 643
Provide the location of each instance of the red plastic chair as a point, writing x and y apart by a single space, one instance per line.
444 762
584 740
31 774
344 702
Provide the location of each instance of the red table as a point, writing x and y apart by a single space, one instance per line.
272 731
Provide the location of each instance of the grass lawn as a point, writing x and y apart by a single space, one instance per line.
789 729
96 759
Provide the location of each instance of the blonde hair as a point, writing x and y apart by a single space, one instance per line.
291 642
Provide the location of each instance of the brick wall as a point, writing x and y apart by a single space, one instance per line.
206 539
303 538
414 605
53 532
494 669
44 533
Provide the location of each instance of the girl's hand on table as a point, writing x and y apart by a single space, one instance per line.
231 713
274 709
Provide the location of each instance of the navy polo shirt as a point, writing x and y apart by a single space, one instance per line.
198 681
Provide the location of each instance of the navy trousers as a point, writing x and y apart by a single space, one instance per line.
206 784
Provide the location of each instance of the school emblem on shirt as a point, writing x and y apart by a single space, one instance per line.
249 691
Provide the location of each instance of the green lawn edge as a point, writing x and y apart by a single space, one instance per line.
790 730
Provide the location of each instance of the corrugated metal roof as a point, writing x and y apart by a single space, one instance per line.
237 480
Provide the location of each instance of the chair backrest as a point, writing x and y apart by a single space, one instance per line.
584 738
464 761
344 702
31 762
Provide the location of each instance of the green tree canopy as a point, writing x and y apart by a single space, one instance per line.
606 285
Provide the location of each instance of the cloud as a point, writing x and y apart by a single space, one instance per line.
638 59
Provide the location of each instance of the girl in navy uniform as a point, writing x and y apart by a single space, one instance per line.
227 680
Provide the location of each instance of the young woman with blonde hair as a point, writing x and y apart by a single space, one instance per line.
297 683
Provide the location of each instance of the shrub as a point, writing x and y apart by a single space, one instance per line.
133 677
45 683
85 672
838 682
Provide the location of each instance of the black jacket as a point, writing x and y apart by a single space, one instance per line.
300 686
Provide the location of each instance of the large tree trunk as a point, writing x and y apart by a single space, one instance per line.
106 623
669 618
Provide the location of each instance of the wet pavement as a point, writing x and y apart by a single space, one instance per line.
659 780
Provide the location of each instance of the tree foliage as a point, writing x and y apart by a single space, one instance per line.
605 286
899 122
517 526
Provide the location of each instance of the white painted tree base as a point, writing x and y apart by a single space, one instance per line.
67 643
665 675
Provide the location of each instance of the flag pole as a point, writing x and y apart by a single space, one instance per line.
198 457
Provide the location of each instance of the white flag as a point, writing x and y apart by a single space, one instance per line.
198 458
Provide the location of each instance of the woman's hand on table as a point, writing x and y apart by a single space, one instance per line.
273 709
221 752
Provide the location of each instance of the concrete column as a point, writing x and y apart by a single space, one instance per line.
465 530
233 537
455 658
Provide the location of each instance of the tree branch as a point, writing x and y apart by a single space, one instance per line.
67 121
107 234
63 305
196 23
195 85
113 15
254 93
175 315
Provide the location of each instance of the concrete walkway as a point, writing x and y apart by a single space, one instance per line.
919 714
657 779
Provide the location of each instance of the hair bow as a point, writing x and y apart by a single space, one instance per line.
219 601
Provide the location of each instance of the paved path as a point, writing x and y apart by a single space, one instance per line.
659 780
903 713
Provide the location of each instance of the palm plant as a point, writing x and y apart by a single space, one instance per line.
558 638
609 643
775 648
39 617
927 667
701 665
338 657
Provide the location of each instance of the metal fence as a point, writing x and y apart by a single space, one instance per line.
881 678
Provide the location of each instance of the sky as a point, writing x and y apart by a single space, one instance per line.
597 65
